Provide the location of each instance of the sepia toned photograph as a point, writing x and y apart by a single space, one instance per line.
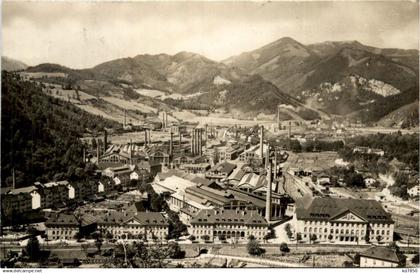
210 134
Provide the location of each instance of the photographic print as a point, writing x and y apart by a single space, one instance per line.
210 134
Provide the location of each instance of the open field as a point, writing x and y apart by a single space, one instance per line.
130 104
314 161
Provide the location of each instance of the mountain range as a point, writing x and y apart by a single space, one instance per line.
9 64
310 81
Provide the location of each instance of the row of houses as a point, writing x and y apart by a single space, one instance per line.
51 195
112 224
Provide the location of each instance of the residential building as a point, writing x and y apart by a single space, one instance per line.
414 191
253 154
380 256
232 224
198 168
152 167
62 227
343 220
20 200
221 171
53 194
141 225
369 181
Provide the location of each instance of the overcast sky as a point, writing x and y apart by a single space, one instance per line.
83 34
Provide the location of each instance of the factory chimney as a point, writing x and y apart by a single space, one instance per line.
200 142
180 138
171 146
267 156
197 142
13 179
163 120
145 137
205 135
105 140
268 195
125 117
193 141
262 142
97 150
275 164
131 152
290 129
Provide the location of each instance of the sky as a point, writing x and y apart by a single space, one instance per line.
84 34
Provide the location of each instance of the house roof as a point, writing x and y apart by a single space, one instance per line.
224 167
382 253
22 190
326 208
68 220
151 219
222 216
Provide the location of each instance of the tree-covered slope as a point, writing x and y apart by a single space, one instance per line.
40 134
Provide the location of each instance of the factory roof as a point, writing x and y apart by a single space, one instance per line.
223 167
237 174
206 194
175 183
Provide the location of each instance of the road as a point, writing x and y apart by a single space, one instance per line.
261 261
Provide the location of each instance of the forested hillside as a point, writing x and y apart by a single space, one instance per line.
40 134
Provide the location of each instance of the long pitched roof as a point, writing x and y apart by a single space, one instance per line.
382 253
22 190
222 216
62 220
326 208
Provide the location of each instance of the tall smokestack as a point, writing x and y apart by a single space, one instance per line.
268 197
196 142
180 138
193 141
105 140
163 120
125 117
13 179
131 152
205 135
145 137
97 150
290 129
200 145
170 146
262 142
278 118
275 164
267 156
84 154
